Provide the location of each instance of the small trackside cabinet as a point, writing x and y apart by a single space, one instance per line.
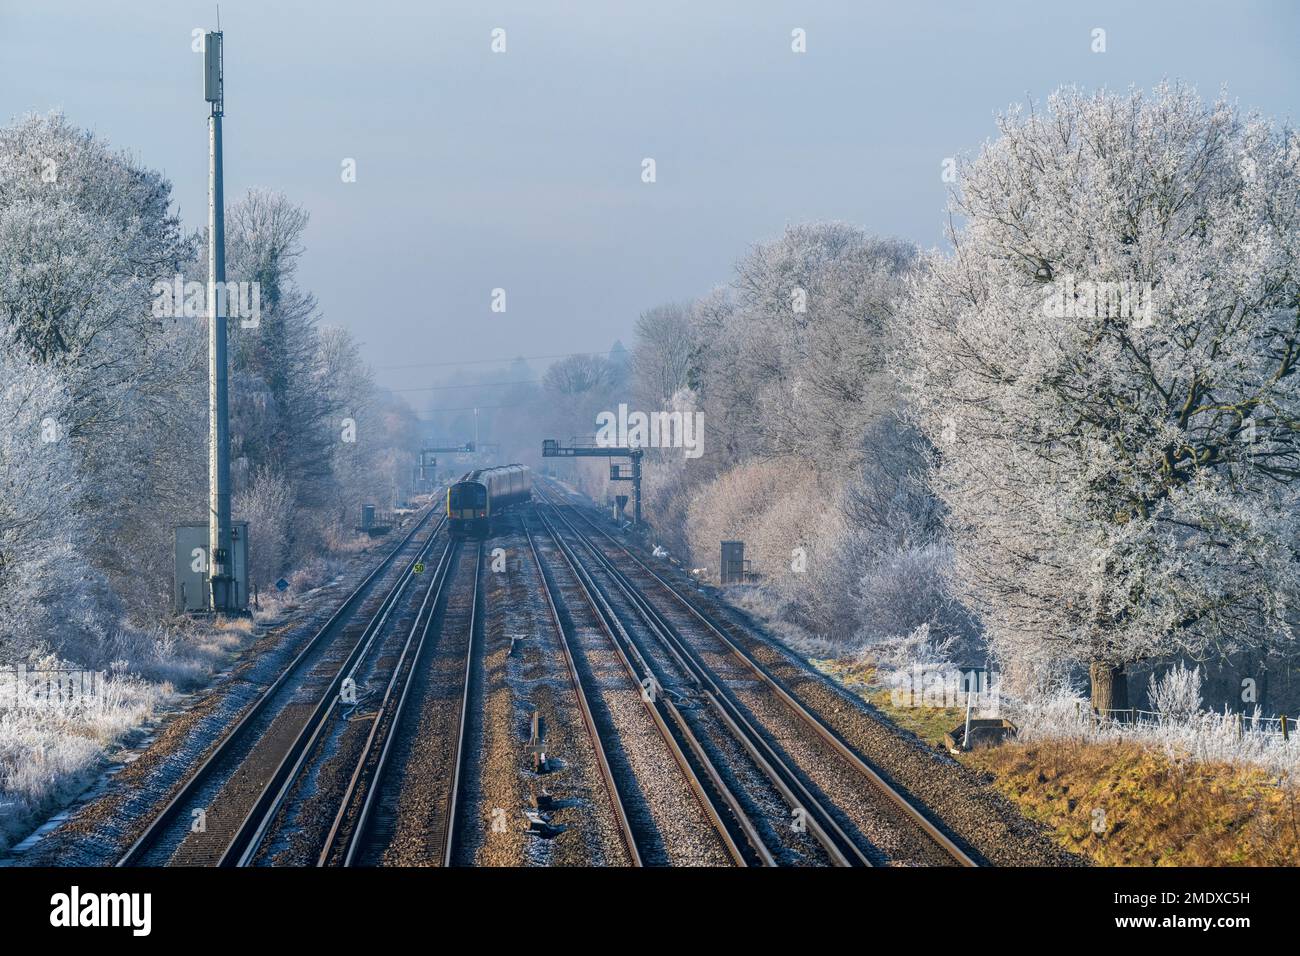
732 569
190 589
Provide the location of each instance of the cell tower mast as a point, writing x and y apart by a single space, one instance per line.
219 529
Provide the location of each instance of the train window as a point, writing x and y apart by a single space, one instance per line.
467 496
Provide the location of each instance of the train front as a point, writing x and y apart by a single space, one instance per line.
467 509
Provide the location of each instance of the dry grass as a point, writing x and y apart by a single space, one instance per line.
928 723
1122 804
51 750
239 625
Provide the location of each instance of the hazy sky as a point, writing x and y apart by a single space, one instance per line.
522 170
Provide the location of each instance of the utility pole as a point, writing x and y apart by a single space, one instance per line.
219 539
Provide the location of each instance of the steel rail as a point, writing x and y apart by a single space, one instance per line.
257 821
588 719
166 817
839 846
626 649
833 739
412 650
458 757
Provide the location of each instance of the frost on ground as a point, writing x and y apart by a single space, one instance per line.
101 449
1177 726
53 745
1186 787
51 750
1200 736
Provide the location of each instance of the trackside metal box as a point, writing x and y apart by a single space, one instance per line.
732 570
191 591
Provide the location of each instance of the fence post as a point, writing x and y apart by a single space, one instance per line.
1240 725
1285 736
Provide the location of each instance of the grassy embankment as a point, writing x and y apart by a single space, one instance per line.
1121 803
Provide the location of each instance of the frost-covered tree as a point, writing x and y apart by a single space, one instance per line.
1106 364
800 361
579 374
84 234
891 501
38 496
575 389
1177 692
266 503
374 435
103 418
280 412
305 406
662 361
789 365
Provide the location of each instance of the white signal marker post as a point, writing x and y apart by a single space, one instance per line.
219 531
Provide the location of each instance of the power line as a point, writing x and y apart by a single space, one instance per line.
500 361
434 388
470 408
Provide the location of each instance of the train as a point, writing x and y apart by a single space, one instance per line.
480 496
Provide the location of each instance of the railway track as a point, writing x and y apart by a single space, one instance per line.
730 666
643 650
413 812
774 809
717 798
317 801
359 822
218 815
632 835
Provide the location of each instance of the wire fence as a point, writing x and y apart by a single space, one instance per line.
1202 735
1282 725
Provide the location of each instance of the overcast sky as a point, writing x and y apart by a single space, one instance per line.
522 170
